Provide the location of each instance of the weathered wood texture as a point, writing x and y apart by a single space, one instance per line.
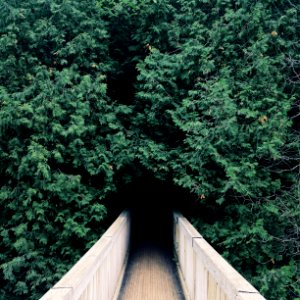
97 274
151 275
206 274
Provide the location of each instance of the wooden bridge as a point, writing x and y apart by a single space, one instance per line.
116 268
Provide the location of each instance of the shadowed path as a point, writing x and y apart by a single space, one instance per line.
150 275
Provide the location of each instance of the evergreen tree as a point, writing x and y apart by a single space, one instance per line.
203 93
61 139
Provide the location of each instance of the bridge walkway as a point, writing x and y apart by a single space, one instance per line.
150 272
151 275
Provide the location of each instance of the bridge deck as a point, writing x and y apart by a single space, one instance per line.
150 275
151 271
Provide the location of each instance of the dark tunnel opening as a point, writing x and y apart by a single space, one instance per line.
151 203
151 223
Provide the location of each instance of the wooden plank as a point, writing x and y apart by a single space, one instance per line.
97 272
200 280
150 276
87 263
82 273
223 282
212 288
223 295
188 229
249 296
189 268
227 277
58 294
181 249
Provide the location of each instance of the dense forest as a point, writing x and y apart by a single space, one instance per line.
201 94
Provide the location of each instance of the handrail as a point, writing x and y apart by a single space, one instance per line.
97 274
206 274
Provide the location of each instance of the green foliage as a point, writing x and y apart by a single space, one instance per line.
61 139
205 93
218 97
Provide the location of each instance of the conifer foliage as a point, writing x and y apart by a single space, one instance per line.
60 139
202 92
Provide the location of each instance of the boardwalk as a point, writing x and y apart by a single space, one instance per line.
151 275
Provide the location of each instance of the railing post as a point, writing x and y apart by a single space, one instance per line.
97 273
206 274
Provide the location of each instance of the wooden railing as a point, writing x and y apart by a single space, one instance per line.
206 275
98 273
